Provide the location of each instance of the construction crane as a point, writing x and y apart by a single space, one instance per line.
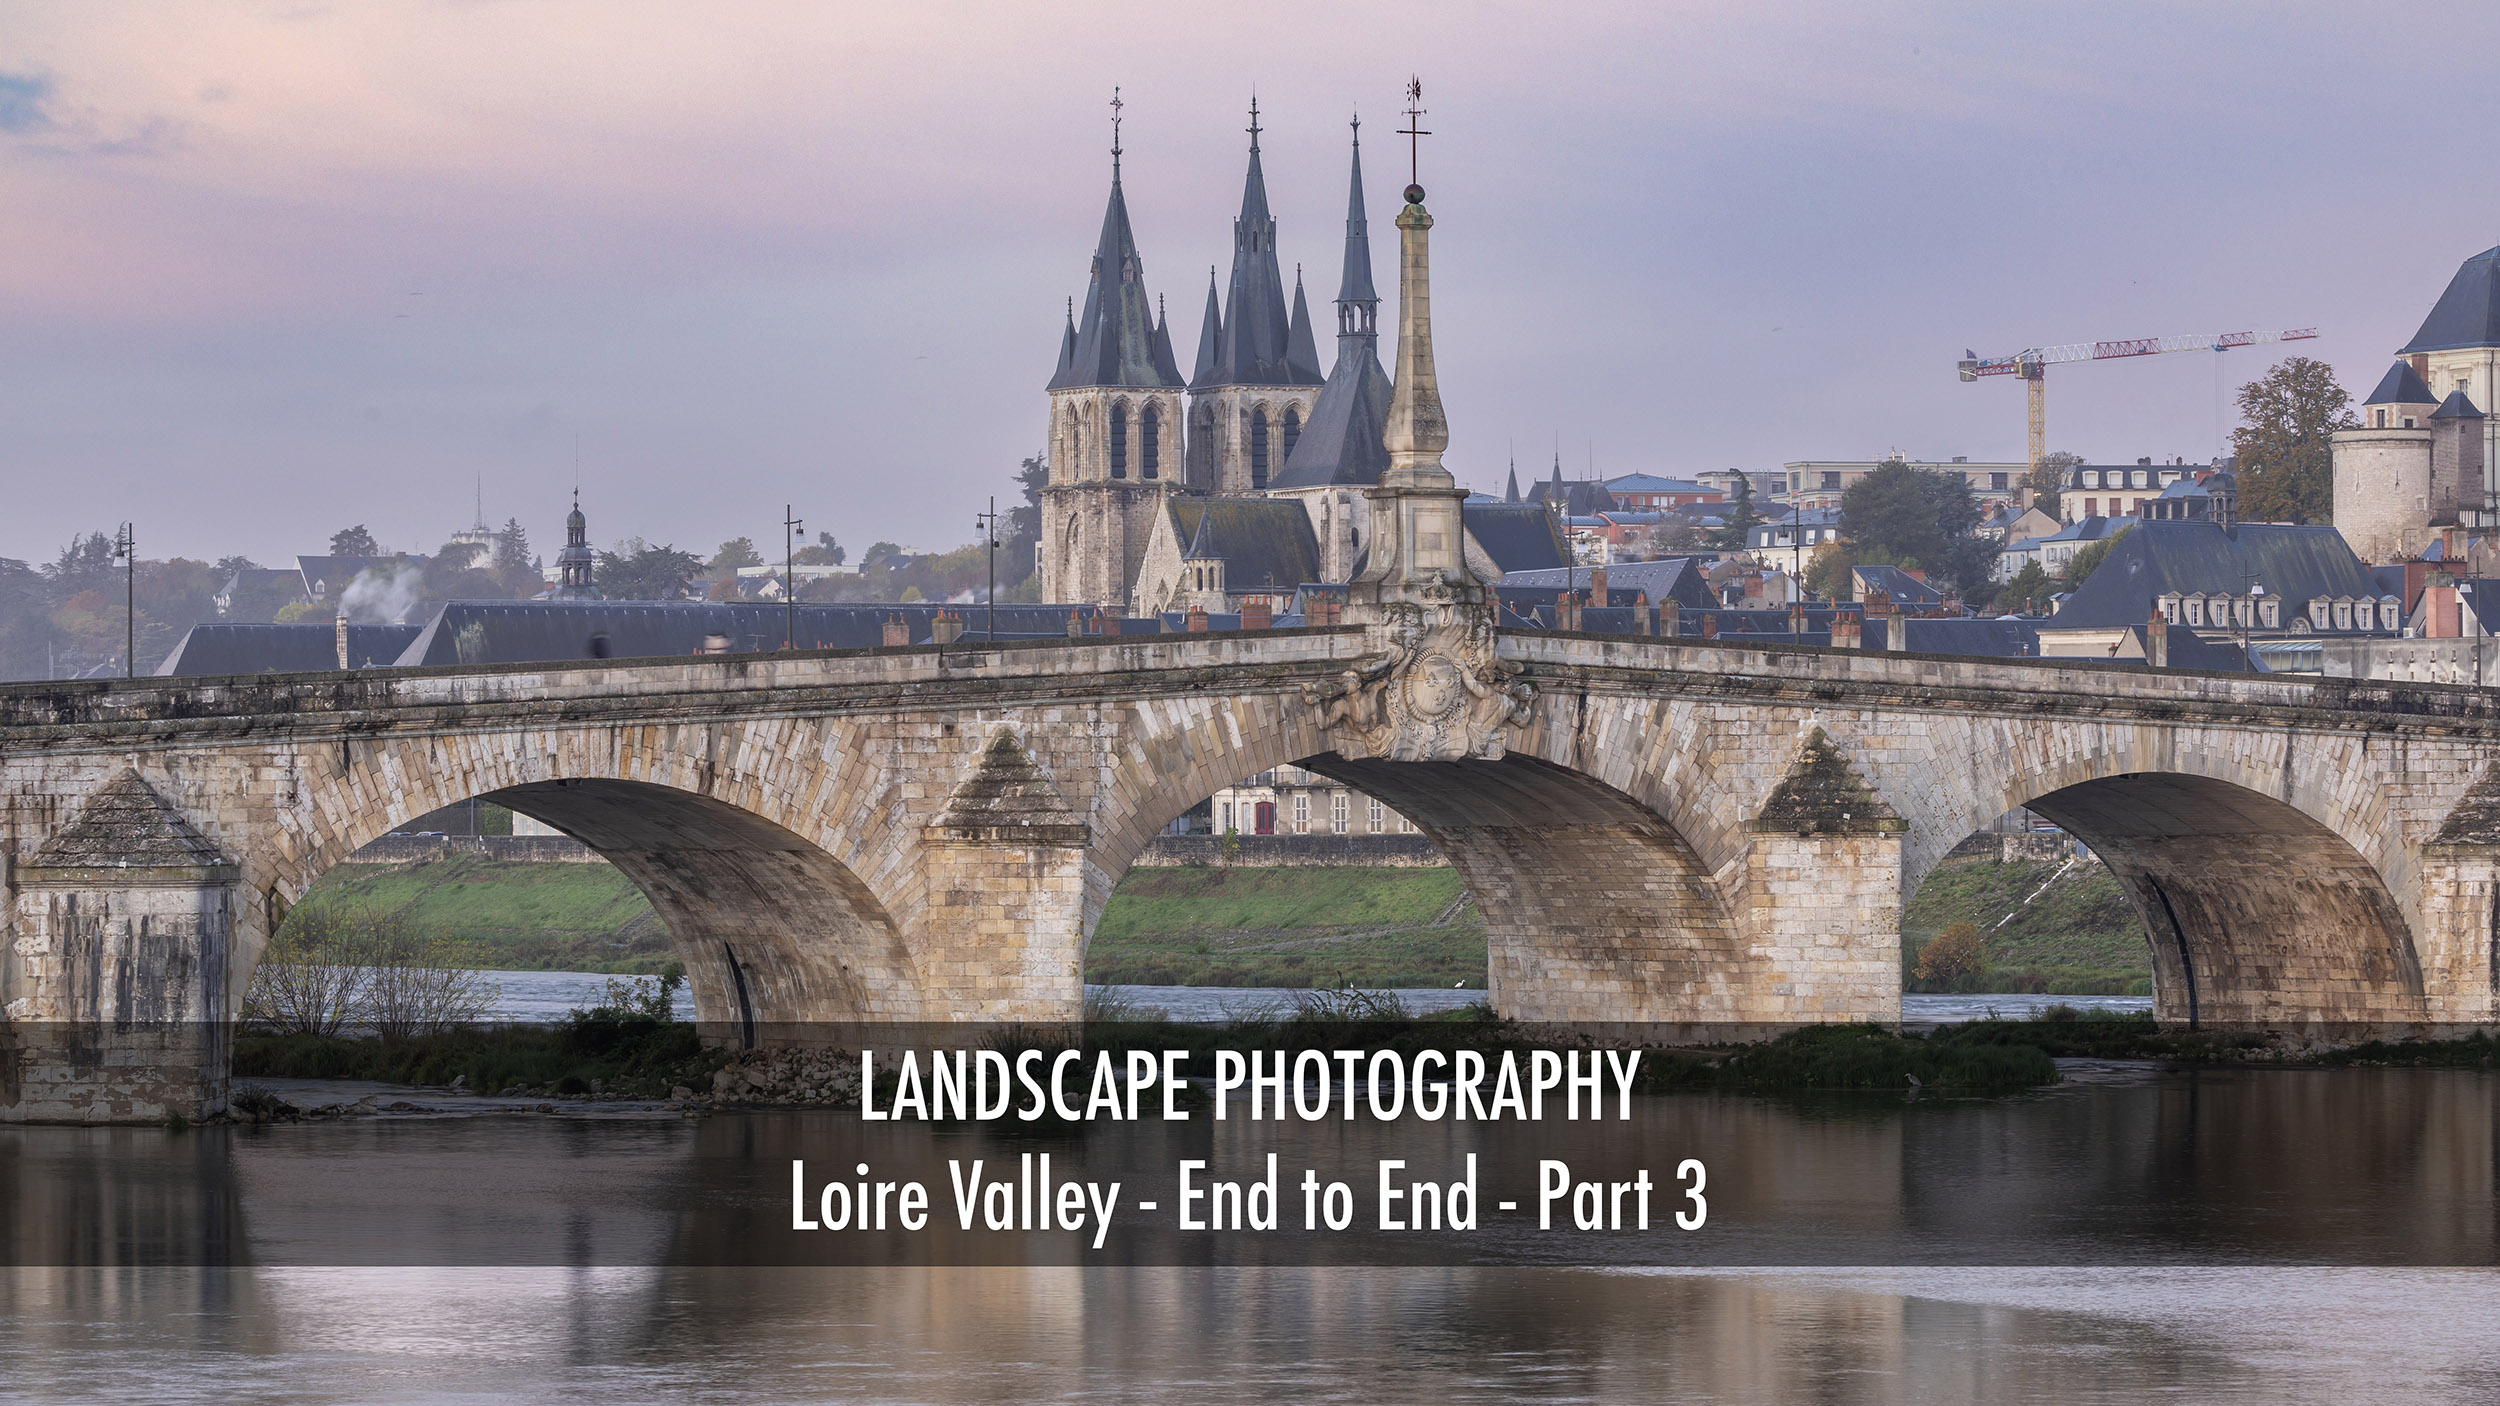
2033 365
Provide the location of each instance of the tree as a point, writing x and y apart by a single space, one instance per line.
354 542
640 571
2049 479
735 553
86 564
824 552
1827 572
1927 518
1958 952
1024 523
456 572
2028 593
2280 451
2082 564
512 563
1740 518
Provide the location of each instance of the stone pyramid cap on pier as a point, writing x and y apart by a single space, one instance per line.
1823 794
1008 800
127 825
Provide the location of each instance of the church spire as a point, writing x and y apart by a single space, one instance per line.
1210 336
1301 351
1358 303
1114 343
1254 348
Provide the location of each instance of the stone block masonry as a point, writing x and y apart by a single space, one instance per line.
1674 835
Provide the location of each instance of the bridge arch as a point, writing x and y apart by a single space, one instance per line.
766 899
1595 905
2272 889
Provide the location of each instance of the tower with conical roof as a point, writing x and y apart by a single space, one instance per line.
2458 349
1341 452
1115 422
1254 390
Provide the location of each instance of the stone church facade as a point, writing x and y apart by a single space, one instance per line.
1256 419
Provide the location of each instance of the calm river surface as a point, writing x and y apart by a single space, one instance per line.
2238 1235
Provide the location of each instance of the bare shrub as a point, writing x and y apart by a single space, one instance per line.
1956 952
330 968
311 979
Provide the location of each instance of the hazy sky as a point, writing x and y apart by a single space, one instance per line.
266 270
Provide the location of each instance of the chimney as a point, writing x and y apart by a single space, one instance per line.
1796 617
1670 617
1076 623
1566 611
1597 587
1878 603
342 620
897 631
1197 620
1641 618
1257 614
1710 625
1103 623
947 628
1846 630
2157 639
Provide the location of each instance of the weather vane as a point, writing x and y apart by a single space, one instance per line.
1414 133
1115 129
1254 122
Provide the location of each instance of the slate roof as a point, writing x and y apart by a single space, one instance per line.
2294 564
1674 578
528 632
331 573
2456 407
1517 536
284 649
1119 340
2467 313
1253 347
1345 440
1580 497
1652 483
2401 386
1267 543
1898 584
2000 638
126 824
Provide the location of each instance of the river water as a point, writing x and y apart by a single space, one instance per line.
2237 1235
544 996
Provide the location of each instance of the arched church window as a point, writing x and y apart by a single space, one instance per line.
1293 429
1119 439
1258 448
1076 448
1150 440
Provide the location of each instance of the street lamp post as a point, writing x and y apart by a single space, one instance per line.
126 549
987 525
791 527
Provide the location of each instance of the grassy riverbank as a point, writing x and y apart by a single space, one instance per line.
1301 927
509 916
2059 928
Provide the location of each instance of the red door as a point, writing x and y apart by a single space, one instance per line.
1266 818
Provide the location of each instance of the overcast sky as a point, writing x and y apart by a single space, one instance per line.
267 270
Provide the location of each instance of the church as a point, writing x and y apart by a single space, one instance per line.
1249 477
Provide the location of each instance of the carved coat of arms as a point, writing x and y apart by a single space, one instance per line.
1436 693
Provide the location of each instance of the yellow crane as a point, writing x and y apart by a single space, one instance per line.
2033 365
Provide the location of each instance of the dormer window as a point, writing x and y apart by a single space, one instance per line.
2091 478
2196 610
2270 613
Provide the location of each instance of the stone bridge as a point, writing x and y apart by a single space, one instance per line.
1688 837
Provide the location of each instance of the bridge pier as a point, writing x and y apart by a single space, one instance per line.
114 985
1002 937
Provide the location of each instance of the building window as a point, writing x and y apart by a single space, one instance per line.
2379 417
1293 430
1379 817
2091 507
1996 481
1301 812
1224 818
1150 440
1336 812
1258 448
1831 480
1119 440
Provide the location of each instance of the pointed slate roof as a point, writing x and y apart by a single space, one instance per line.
2456 407
2402 385
127 825
1253 346
1210 335
1511 494
1301 350
2467 314
1345 442
1115 342
1202 543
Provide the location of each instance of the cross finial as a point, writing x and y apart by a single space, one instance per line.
1357 124
1254 122
1116 105
1414 133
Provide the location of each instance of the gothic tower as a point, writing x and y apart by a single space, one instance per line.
1115 424
1258 367
1341 451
